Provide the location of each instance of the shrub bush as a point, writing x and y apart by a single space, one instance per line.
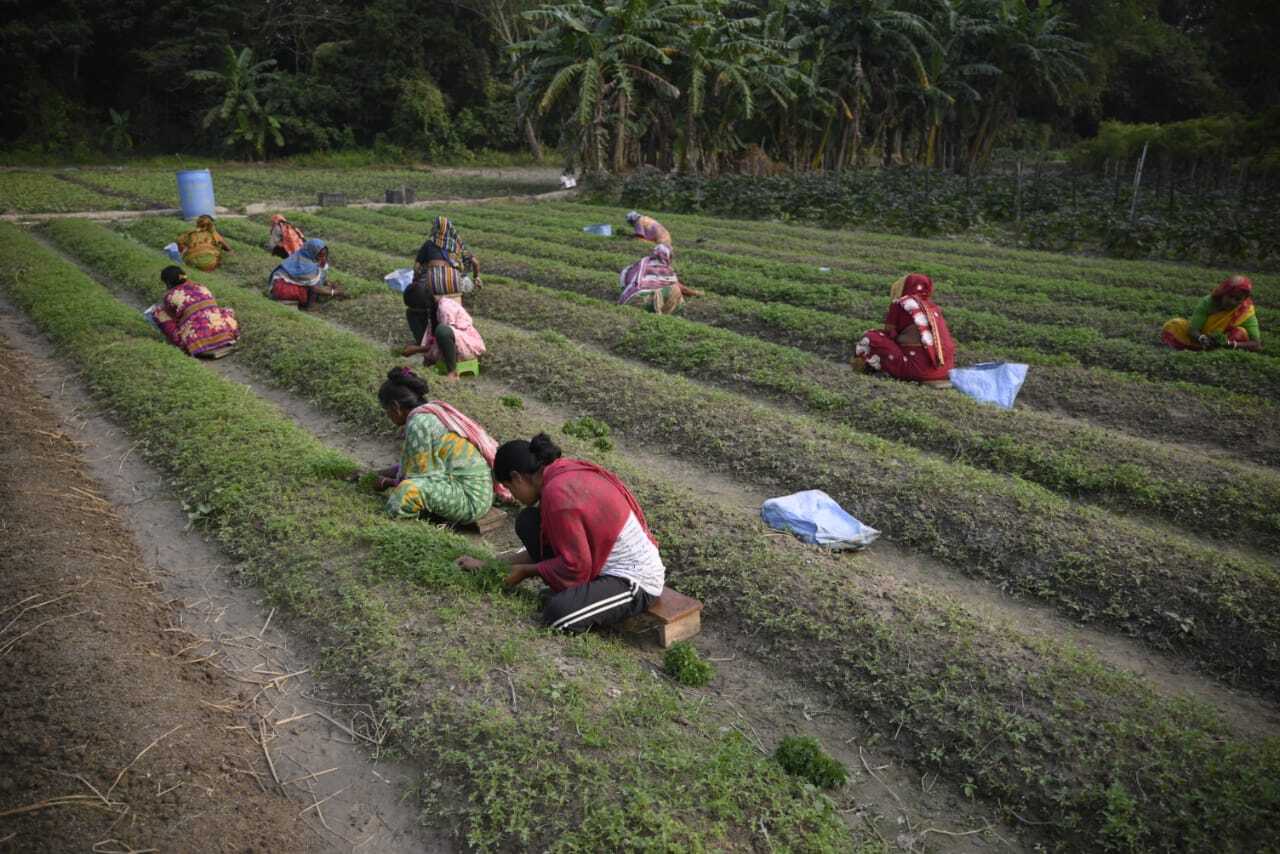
684 665
802 756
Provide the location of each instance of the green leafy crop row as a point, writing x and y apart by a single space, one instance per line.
974 256
37 192
1184 412
1071 459
1226 368
1090 564
1047 733
390 606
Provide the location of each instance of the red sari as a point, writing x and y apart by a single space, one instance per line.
935 356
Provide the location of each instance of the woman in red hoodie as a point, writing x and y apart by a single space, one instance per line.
586 537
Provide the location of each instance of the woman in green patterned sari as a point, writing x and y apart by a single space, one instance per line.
444 471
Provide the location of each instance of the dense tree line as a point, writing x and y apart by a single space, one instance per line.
689 84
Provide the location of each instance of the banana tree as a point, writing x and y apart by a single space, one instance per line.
599 57
1036 58
248 122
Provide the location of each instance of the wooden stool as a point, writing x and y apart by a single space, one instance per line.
677 616
937 384
492 521
471 366
219 353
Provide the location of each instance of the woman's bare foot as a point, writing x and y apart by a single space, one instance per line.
451 377
410 350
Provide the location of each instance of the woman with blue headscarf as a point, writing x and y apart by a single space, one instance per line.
301 278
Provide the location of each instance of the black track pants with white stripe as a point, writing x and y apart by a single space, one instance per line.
602 602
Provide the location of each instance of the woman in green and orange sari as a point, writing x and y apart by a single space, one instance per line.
1225 318
202 246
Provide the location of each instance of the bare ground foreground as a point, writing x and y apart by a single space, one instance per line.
148 703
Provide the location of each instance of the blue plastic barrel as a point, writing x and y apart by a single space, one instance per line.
195 193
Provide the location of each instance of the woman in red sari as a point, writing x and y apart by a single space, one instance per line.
191 318
915 343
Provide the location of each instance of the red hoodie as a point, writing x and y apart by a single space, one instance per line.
583 510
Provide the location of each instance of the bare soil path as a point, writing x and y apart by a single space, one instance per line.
155 641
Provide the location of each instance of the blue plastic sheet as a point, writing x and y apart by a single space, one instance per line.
603 229
174 255
991 382
817 519
399 280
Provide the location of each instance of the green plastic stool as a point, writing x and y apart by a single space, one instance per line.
471 366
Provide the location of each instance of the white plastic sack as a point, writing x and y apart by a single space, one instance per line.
568 182
399 280
817 519
602 229
172 251
150 314
991 382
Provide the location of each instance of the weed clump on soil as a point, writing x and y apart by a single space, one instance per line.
802 756
511 401
684 665
592 429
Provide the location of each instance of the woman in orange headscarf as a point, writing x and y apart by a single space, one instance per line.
285 237
1225 318
915 343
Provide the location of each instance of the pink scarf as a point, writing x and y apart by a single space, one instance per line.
455 422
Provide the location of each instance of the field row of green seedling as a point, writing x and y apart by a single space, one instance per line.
1198 414
1183 412
1238 371
1106 311
1005 316
1052 736
959 254
1074 460
592 744
26 192
861 269
236 186
1033 540
825 333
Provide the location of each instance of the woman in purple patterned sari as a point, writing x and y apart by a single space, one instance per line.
190 317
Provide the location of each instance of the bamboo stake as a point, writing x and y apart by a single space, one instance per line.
1018 196
1137 181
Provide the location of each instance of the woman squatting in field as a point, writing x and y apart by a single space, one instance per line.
302 277
442 328
202 246
284 238
190 317
1224 318
915 343
587 538
653 284
444 469
648 228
